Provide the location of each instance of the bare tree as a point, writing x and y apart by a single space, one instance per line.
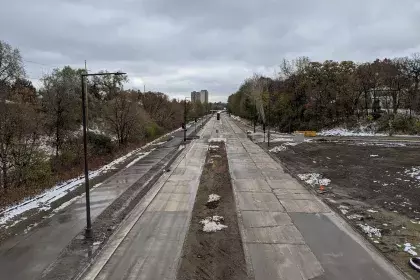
124 116
61 95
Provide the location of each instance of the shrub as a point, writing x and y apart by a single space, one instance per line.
153 130
100 144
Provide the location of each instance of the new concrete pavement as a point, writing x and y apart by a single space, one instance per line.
287 232
149 242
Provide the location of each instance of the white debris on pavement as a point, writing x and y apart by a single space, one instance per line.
314 179
410 249
212 224
277 149
213 197
370 231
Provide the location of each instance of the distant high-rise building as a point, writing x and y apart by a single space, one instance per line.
195 96
200 96
204 96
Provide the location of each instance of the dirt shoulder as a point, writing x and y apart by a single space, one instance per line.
214 255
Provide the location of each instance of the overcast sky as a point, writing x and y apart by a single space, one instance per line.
176 46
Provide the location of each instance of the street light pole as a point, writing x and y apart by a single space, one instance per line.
268 118
88 231
185 119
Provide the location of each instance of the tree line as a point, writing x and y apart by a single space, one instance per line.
310 95
40 129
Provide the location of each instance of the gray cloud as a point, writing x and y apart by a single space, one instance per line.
184 45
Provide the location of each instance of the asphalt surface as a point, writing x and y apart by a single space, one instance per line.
26 256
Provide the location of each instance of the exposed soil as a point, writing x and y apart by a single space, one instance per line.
214 255
371 180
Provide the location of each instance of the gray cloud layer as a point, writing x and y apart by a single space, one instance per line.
184 45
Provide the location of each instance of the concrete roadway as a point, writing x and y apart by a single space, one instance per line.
25 256
288 233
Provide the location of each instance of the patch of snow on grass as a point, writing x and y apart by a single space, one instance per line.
212 224
141 155
340 131
370 231
281 139
44 200
213 197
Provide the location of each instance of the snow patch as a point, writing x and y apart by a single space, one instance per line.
374 155
355 217
277 149
213 197
344 209
44 200
372 211
340 131
413 172
141 155
212 224
314 179
370 231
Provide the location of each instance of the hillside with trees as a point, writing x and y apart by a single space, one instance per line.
40 129
308 95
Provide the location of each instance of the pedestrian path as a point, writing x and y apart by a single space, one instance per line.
288 233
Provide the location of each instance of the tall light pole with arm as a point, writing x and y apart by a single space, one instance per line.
88 231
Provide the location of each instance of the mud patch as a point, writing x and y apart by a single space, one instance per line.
215 254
